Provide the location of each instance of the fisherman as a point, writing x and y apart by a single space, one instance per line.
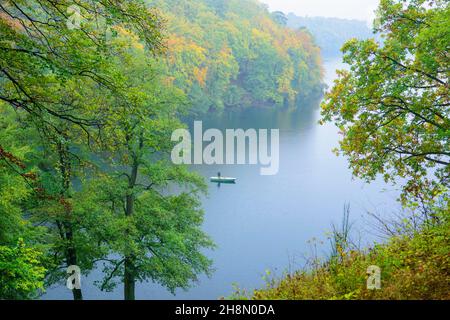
218 175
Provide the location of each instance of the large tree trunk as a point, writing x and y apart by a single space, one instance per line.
77 294
129 273
72 257
67 233
129 280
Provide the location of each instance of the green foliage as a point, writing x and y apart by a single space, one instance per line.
21 267
21 271
81 107
41 56
14 190
236 54
392 106
150 209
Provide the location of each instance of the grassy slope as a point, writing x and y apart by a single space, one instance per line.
412 267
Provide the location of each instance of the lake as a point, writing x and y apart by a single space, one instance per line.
265 222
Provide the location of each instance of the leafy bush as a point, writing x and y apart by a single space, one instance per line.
21 272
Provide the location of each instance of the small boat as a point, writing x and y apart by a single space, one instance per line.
223 179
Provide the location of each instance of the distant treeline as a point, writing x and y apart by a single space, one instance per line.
331 33
236 54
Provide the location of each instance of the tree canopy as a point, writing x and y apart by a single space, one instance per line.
392 105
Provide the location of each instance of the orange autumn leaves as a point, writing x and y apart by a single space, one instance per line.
237 56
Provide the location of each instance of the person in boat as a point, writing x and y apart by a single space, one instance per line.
218 175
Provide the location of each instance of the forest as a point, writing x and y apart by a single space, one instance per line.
232 53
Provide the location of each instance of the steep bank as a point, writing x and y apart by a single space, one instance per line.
414 264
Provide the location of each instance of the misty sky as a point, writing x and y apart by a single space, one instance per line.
350 9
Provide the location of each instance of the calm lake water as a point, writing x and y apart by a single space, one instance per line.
264 222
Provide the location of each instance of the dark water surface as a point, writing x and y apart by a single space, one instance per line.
265 222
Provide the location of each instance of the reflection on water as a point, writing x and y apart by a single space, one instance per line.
264 222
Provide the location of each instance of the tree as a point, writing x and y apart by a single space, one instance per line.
69 218
392 106
15 177
54 72
39 168
279 17
151 208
